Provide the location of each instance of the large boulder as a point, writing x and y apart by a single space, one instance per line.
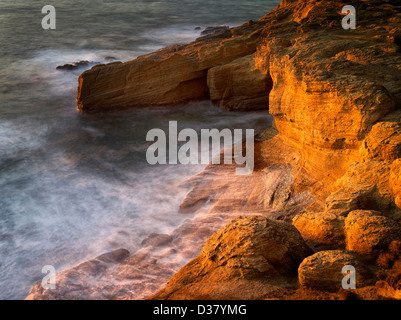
240 85
170 76
259 244
323 270
322 230
253 253
369 231
365 186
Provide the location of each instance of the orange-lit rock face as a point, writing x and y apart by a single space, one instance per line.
135 83
369 231
322 229
336 98
383 142
324 113
323 270
255 255
395 181
329 83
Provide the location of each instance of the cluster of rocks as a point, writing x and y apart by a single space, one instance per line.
259 258
335 97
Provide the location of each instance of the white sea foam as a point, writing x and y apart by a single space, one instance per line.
73 187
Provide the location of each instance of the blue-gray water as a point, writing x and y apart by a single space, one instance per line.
74 186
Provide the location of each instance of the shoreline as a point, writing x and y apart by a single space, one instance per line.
325 171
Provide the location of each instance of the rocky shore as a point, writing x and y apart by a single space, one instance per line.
326 190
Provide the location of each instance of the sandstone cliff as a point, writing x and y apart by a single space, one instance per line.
330 166
335 99
180 73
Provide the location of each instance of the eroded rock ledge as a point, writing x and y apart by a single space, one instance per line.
182 73
335 98
330 167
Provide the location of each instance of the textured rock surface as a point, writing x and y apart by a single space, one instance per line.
336 100
383 142
271 190
322 230
323 270
255 253
369 231
170 76
240 85
365 185
331 74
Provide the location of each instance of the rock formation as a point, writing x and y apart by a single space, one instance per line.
170 76
323 270
247 259
331 161
370 231
335 100
239 85
322 230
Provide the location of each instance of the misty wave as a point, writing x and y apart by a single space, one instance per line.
75 186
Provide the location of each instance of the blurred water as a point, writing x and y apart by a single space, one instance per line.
74 186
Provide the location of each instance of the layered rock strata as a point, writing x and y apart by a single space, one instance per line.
335 100
179 74
331 161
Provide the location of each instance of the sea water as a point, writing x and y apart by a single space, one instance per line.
74 186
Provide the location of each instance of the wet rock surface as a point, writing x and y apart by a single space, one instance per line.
331 166
256 252
323 270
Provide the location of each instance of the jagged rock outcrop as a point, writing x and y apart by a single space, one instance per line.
335 96
248 259
170 76
340 76
239 85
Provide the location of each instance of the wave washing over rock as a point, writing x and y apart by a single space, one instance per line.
329 168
